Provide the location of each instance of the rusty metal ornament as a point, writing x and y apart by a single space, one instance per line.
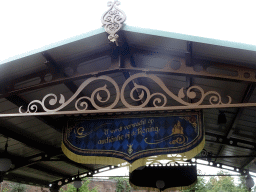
112 20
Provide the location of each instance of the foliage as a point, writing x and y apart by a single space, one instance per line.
83 188
220 184
122 184
242 184
17 187
223 183
200 186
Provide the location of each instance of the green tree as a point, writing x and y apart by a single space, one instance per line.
211 183
200 186
223 183
220 183
83 188
242 184
17 187
122 184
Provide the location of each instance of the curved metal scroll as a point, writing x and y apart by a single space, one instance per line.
96 99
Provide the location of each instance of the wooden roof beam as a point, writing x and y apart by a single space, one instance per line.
231 141
9 90
58 71
249 160
124 51
247 95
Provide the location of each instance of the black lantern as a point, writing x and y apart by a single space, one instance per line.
164 177
77 182
222 118
249 182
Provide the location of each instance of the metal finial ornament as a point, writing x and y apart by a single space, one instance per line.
112 20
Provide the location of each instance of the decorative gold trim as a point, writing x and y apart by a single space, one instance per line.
181 156
138 163
91 159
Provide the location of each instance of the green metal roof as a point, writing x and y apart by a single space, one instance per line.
138 30
191 38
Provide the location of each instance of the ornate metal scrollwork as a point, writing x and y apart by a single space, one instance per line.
80 104
206 154
112 20
113 98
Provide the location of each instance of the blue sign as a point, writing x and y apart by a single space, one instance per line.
133 138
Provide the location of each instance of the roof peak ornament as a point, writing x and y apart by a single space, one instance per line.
112 20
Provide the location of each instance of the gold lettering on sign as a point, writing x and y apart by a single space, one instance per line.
117 130
137 124
111 139
80 131
143 131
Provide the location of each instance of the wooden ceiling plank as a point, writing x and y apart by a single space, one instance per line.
247 95
23 138
49 170
21 178
73 163
57 71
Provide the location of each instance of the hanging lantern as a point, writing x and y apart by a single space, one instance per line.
5 164
249 181
77 183
164 177
222 120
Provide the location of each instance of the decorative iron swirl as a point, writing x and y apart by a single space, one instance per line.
146 96
112 20
158 99
174 139
33 106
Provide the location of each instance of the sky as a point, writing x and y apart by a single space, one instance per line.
28 25
124 171
205 170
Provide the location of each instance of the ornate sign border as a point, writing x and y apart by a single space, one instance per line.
113 157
